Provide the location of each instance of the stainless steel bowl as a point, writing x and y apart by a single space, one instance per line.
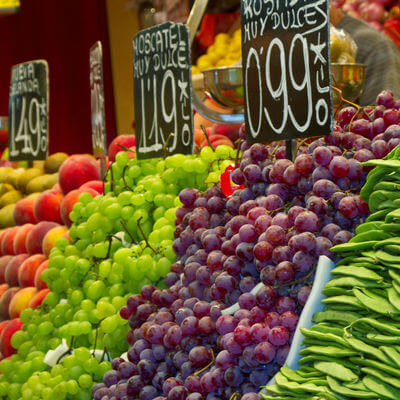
349 78
225 86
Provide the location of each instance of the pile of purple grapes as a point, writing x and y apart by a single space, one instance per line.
217 333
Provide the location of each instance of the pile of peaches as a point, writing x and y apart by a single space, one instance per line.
24 248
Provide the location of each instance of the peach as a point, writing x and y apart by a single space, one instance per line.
20 238
6 335
38 298
115 146
77 170
27 271
39 283
3 324
95 185
56 188
2 233
23 211
51 237
47 206
5 301
70 200
12 269
3 288
3 264
35 237
230 131
21 300
7 244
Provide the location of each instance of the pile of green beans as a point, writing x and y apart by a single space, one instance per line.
353 349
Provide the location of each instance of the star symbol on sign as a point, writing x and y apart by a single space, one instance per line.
183 86
317 49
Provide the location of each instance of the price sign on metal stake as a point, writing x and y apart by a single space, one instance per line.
99 138
286 70
28 111
163 97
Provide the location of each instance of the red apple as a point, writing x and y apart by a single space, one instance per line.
47 206
77 170
115 146
6 335
20 238
38 298
27 271
5 301
35 237
3 265
12 269
39 283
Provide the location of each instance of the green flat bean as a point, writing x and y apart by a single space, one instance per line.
324 327
355 385
336 370
389 258
303 373
358 272
396 286
284 383
365 348
377 216
376 364
385 205
375 267
279 390
380 326
394 297
346 317
348 300
391 227
308 333
367 226
375 303
292 375
393 215
353 247
373 177
381 388
383 339
339 388
386 163
382 376
351 281
394 275
390 186
392 249
318 357
392 354
335 291
329 351
353 259
392 240
369 235
343 308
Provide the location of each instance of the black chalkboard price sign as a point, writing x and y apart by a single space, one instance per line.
286 70
162 83
99 140
28 111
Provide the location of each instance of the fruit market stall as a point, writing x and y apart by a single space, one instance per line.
185 276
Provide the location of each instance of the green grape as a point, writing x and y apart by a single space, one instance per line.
85 381
71 250
18 338
166 232
116 290
76 297
26 315
90 365
96 290
51 299
75 372
87 305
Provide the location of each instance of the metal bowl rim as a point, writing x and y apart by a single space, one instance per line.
348 65
236 67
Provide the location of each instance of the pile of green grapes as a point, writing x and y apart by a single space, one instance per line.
120 241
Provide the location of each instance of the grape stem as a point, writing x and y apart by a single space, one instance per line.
207 138
171 135
112 176
95 340
235 396
238 144
127 231
123 178
144 236
105 351
109 247
300 280
208 365
124 147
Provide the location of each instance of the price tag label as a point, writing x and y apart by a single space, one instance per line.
286 69
163 98
28 111
99 139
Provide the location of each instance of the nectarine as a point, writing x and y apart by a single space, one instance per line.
51 237
20 301
38 298
127 141
12 269
35 237
20 238
6 335
39 283
23 211
27 271
47 206
3 265
5 301
7 243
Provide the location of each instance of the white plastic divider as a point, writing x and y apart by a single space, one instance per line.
314 304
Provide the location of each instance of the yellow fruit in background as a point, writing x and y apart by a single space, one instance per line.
10 197
29 174
6 216
195 70
222 38
38 164
4 173
203 63
5 187
51 180
53 162
12 177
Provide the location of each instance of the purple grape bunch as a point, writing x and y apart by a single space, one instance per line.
245 265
